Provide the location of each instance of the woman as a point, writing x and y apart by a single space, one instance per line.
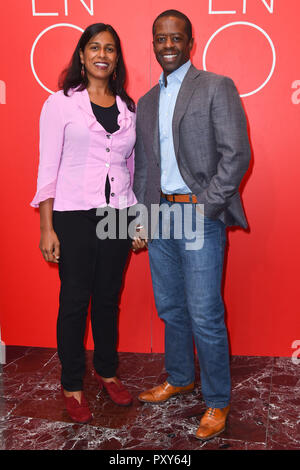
87 132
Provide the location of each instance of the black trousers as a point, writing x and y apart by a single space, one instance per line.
90 270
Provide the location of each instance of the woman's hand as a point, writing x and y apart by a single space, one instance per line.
140 242
49 245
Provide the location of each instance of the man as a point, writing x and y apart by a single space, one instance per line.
192 150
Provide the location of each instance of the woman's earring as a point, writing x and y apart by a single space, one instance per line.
82 71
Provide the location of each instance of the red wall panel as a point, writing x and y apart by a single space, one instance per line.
245 40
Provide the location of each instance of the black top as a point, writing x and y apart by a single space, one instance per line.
108 118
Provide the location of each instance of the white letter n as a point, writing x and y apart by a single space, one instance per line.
270 7
91 9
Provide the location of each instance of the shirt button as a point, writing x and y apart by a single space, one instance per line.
112 179
107 165
108 136
108 150
112 194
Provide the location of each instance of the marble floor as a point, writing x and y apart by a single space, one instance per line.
265 410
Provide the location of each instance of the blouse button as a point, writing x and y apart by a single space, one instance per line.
112 194
108 136
112 179
108 150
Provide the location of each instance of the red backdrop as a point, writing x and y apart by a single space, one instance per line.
256 43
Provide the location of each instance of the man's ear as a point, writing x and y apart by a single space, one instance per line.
191 45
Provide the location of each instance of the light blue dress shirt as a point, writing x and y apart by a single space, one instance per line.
171 179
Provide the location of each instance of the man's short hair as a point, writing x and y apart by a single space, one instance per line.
177 14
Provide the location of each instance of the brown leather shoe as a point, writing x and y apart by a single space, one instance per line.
163 392
212 423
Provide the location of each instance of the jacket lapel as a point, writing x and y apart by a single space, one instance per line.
153 132
184 96
185 93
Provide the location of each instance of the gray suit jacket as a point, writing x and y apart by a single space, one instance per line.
210 141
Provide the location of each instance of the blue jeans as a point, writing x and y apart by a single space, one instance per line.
187 291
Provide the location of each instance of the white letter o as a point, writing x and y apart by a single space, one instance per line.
259 29
37 40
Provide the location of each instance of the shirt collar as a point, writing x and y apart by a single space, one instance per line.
83 100
178 74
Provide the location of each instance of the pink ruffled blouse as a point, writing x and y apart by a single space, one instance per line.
77 154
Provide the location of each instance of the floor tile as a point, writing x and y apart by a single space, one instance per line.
264 407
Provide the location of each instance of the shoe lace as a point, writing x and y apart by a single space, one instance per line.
211 412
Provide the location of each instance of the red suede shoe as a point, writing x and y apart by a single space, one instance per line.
79 412
118 393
